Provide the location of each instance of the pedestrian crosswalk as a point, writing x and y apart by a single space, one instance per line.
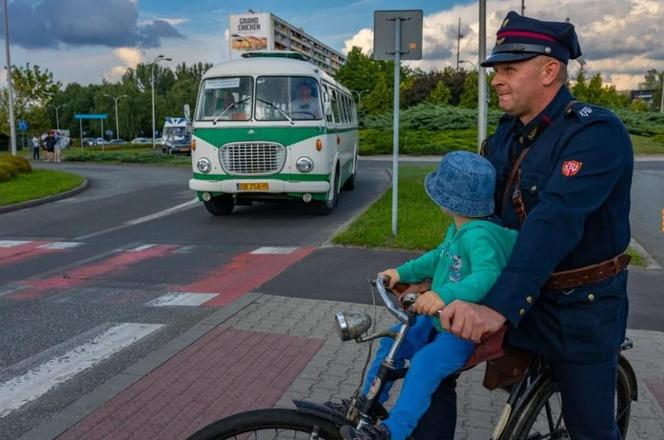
141 292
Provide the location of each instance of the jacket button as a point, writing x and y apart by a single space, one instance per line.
533 189
522 312
591 297
529 300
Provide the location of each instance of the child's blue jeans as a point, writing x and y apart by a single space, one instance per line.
430 362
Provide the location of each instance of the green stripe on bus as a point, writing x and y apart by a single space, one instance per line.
286 177
283 135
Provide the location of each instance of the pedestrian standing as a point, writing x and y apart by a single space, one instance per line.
35 148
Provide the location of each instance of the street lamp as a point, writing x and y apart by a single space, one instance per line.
57 115
469 62
359 96
155 61
117 126
10 87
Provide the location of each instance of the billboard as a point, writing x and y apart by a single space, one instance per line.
249 32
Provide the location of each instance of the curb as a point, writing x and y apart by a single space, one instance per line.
30 203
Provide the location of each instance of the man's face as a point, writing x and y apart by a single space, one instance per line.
305 92
519 87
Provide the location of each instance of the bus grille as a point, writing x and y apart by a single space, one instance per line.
252 158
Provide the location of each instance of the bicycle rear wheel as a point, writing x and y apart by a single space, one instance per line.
540 416
269 424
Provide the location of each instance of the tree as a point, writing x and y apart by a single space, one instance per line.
381 98
468 98
359 72
440 94
653 81
34 90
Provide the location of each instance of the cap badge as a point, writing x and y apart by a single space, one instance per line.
547 49
507 20
571 168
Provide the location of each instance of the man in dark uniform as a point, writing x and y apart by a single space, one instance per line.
564 171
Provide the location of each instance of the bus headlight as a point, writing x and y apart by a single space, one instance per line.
304 164
204 165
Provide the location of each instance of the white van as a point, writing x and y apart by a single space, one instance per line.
272 126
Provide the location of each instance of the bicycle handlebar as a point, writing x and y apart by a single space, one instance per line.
389 302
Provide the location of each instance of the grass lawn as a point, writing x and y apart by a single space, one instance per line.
421 223
37 184
648 145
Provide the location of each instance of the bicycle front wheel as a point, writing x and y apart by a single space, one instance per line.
269 424
540 416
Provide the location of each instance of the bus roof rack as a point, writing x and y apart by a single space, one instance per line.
275 54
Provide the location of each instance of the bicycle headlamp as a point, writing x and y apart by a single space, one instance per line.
352 325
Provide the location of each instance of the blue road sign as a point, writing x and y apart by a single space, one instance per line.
90 116
22 125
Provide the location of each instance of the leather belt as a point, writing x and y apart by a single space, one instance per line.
570 279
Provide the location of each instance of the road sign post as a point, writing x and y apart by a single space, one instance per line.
397 36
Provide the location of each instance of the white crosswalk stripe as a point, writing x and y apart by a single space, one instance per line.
60 245
182 299
273 250
12 243
29 386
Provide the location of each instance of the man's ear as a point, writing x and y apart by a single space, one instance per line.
550 70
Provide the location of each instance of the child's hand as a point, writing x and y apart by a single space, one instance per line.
393 274
429 303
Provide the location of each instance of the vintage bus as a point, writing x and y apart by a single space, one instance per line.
272 126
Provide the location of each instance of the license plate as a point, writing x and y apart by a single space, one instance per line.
260 186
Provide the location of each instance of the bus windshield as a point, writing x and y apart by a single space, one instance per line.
226 99
278 97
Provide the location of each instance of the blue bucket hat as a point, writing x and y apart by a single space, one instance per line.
521 38
463 184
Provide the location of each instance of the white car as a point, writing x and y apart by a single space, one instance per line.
141 140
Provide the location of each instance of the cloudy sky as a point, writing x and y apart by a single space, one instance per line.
86 41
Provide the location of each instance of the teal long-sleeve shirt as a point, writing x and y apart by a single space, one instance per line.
466 264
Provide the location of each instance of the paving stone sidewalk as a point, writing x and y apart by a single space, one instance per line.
334 371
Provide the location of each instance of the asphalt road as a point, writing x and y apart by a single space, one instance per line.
74 270
108 262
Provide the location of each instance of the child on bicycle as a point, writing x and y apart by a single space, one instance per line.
464 266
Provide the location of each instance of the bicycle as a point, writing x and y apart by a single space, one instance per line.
533 409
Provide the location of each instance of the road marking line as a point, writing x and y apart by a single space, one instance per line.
39 380
12 243
273 250
182 299
141 247
163 213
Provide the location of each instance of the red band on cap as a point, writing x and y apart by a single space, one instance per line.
525 34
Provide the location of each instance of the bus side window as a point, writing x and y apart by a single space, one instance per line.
327 103
335 107
346 110
349 114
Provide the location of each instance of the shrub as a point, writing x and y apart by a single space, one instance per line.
19 162
4 175
9 168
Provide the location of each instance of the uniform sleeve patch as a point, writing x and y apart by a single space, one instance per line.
571 167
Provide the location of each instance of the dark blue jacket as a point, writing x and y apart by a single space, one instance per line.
575 181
